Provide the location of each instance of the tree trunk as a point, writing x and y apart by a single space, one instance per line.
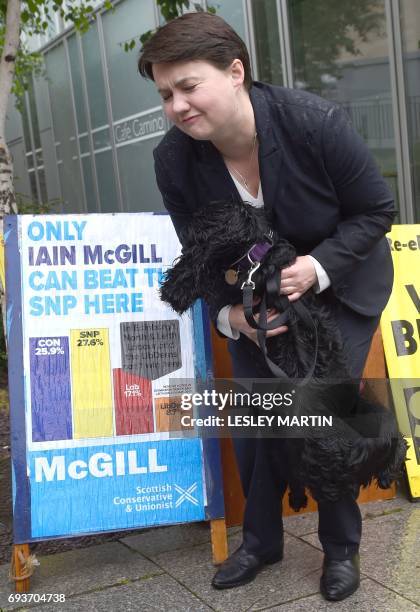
7 72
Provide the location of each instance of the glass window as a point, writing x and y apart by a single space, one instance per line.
89 186
64 130
130 93
410 21
76 77
84 144
34 114
42 186
267 41
94 77
138 120
231 11
41 95
341 53
48 175
20 171
38 158
66 171
51 168
13 122
101 139
30 160
135 162
26 131
34 189
106 181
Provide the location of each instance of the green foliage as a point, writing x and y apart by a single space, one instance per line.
322 30
172 9
28 206
31 64
169 9
27 63
38 15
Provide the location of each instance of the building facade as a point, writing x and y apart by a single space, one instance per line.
84 140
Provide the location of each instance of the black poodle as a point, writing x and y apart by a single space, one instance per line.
230 251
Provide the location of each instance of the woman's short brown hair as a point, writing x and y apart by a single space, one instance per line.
195 36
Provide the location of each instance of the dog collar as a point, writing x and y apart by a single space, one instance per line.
253 256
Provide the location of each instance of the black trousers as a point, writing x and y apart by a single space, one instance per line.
263 465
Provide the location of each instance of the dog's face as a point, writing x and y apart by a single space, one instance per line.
217 236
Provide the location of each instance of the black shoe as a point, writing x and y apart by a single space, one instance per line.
340 578
242 567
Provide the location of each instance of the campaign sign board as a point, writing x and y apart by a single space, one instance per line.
400 325
93 356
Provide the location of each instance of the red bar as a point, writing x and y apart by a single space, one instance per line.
133 403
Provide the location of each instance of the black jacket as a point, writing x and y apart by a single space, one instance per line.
319 183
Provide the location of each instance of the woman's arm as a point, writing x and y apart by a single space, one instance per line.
366 209
172 199
366 203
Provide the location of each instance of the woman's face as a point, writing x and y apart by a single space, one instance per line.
200 99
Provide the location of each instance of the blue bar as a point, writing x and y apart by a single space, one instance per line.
50 388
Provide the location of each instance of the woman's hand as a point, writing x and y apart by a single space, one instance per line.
238 322
298 278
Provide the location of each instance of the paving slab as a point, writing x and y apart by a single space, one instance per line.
302 524
163 539
370 597
373 510
390 551
82 570
146 595
298 573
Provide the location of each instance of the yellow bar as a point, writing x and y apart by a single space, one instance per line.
91 383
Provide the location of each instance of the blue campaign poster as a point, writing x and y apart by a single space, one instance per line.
97 368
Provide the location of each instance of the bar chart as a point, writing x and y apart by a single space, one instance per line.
81 387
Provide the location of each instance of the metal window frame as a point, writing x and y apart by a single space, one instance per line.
55 147
285 43
399 111
250 35
73 103
284 38
108 102
31 137
88 124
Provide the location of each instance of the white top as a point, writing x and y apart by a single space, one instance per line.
223 324
258 202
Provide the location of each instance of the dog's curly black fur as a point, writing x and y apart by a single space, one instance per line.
356 450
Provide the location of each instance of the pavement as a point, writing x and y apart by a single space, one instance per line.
170 569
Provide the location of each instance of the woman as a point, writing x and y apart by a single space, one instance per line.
298 156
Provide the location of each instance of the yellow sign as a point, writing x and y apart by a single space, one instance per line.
400 325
